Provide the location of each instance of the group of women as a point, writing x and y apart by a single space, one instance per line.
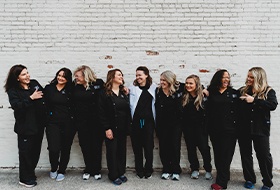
111 111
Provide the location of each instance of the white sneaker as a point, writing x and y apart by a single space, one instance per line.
60 177
208 176
86 176
53 175
195 174
165 176
175 177
97 176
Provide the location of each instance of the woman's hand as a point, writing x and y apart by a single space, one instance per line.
247 98
109 134
126 90
36 95
205 92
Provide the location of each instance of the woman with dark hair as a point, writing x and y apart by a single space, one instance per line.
193 126
26 99
168 124
91 136
259 99
60 130
115 117
222 125
142 100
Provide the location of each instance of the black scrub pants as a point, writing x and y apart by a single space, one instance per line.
197 139
169 136
116 154
91 137
262 148
60 137
142 140
223 146
29 149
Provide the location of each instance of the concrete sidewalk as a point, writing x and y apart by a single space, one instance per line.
73 180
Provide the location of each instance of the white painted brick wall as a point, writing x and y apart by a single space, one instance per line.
190 35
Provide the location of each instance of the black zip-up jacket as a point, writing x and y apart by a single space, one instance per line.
193 119
59 103
221 111
255 117
108 112
30 115
168 109
86 100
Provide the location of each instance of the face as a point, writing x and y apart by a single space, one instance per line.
141 78
250 79
163 83
190 85
79 78
60 78
225 80
24 77
118 78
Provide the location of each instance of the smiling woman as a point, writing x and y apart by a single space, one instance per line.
114 117
26 99
142 100
85 98
259 99
222 124
60 130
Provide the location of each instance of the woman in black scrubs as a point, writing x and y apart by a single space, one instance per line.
85 98
168 124
222 125
114 113
259 99
193 126
60 129
26 99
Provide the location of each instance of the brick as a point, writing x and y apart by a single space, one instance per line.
188 36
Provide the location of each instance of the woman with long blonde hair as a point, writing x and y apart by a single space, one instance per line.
193 126
259 99
85 98
168 124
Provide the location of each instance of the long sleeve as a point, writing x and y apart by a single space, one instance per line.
104 116
268 104
18 102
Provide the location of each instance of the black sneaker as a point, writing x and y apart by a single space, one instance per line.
148 175
117 181
123 178
30 183
140 175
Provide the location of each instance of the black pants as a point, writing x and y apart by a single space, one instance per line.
116 154
91 137
60 138
223 147
170 147
262 148
142 140
29 149
197 139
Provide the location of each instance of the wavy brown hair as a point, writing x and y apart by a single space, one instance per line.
109 82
